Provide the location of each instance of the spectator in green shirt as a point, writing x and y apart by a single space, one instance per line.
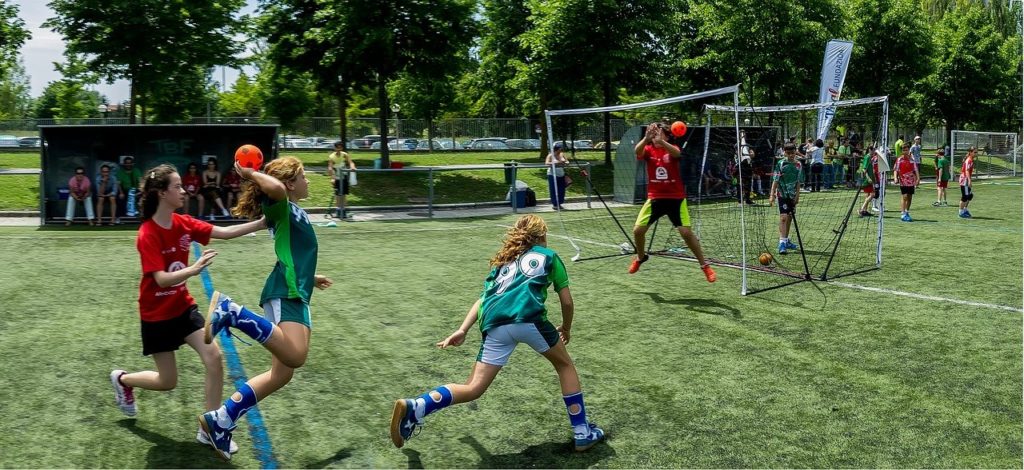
128 177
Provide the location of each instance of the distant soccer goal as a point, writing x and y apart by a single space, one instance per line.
728 156
997 152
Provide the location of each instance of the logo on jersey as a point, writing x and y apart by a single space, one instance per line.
185 240
177 266
661 173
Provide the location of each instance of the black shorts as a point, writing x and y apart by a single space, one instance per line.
907 190
786 205
966 193
211 193
341 185
169 335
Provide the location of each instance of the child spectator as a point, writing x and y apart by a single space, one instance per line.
941 178
905 174
106 193
232 186
128 177
869 177
966 179
192 182
211 190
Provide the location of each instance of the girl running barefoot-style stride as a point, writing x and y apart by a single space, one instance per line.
511 311
168 312
285 330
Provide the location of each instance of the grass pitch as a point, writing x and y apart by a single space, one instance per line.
680 373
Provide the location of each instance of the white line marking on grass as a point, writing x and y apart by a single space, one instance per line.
927 297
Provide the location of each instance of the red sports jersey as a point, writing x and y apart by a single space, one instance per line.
167 250
905 171
663 178
966 171
191 183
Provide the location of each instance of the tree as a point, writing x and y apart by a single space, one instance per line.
243 99
488 86
773 47
892 50
969 69
157 45
12 35
15 102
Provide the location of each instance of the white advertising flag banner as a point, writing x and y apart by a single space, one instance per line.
833 74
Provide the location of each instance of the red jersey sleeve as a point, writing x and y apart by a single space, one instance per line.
199 229
148 245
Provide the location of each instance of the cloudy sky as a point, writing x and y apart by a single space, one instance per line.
47 47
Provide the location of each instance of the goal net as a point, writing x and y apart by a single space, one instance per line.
728 157
997 153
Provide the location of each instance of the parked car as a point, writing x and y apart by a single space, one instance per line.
302 143
9 141
439 144
29 142
397 144
322 142
582 145
365 141
488 143
600 145
525 144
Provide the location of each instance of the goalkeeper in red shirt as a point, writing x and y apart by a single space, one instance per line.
666 196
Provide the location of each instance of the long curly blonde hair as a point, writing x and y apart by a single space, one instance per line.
249 201
528 231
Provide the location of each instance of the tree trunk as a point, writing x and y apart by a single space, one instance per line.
545 139
382 98
131 100
343 116
430 133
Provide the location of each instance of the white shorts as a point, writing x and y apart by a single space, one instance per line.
500 341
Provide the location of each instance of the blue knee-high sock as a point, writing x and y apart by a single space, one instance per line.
577 413
429 403
253 325
231 411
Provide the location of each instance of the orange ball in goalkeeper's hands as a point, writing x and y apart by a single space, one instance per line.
249 156
679 128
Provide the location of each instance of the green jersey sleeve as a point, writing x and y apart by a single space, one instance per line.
558 276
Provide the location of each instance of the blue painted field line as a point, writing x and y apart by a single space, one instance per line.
257 431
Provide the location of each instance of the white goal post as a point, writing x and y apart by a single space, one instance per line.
997 153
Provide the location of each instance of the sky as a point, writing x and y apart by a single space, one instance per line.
47 47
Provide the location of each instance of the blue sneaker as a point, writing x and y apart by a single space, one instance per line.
907 218
782 248
403 422
792 246
220 438
967 214
220 316
584 442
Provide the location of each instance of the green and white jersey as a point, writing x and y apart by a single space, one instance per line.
788 174
296 247
515 292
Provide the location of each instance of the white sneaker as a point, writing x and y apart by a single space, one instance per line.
123 394
202 438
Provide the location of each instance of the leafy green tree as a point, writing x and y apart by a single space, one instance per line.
242 100
160 46
969 69
12 34
488 86
773 47
892 50
15 102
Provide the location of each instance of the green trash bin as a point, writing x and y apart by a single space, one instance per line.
510 173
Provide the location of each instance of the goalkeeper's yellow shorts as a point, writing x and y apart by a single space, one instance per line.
653 209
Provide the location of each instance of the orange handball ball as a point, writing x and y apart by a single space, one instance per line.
249 156
765 258
679 128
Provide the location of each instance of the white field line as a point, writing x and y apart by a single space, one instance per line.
927 297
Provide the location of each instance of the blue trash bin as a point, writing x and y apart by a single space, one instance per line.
376 164
519 201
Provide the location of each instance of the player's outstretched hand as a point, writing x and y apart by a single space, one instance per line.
454 339
322 282
563 334
204 260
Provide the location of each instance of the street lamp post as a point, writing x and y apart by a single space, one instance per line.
395 108
103 112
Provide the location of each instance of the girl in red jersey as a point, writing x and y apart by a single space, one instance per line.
192 182
169 315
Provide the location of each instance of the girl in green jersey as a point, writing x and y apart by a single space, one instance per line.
511 311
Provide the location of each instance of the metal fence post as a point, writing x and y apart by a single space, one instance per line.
512 188
430 193
589 169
